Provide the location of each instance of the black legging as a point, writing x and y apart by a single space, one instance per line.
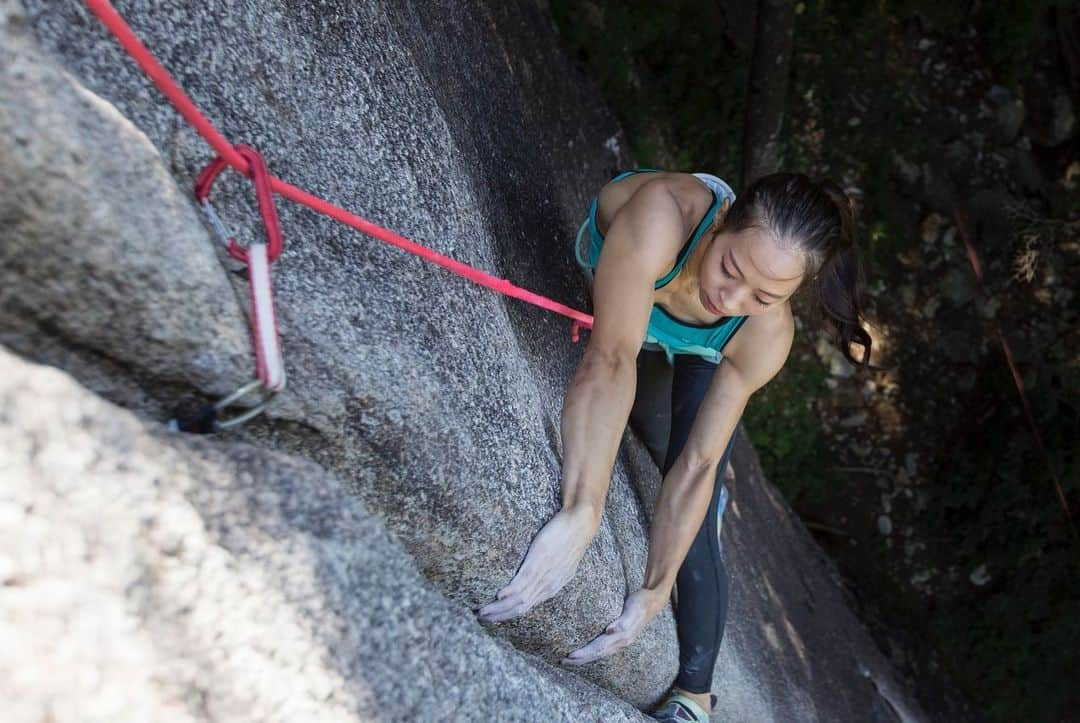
665 405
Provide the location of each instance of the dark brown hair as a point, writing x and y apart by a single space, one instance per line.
817 220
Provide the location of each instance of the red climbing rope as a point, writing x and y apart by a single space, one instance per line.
229 155
964 228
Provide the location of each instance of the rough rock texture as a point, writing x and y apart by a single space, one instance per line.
434 401
149 576
100 245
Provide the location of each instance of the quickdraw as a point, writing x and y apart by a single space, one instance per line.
269 367
271 377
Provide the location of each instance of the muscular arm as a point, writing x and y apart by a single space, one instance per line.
687 488
641 243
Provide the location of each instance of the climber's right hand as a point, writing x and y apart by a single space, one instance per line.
551 561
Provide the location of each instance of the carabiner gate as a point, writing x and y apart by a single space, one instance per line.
207 420
223 404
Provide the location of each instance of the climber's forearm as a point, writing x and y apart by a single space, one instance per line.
688 486
681 506
594 416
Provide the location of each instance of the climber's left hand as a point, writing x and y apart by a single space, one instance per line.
640 607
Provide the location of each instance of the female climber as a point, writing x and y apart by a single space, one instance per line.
681 265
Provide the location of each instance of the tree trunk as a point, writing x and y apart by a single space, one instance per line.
769 70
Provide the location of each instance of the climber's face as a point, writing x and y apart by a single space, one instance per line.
746 273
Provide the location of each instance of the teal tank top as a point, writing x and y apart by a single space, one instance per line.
665 332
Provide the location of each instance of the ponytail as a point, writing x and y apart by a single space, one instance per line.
839 280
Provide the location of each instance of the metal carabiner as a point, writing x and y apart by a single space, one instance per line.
207 419
264 194
235 250
224 403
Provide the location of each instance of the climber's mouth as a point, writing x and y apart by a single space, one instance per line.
709 305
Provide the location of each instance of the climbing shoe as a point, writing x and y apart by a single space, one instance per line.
677 708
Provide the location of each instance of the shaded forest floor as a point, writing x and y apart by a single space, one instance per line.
923 480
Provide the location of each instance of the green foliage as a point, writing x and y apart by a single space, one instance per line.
676 84
781 421
1021 639
844 60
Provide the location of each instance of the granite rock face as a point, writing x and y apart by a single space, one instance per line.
433 402
150 576
100 246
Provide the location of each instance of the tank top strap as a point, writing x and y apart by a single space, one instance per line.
625 174
688 247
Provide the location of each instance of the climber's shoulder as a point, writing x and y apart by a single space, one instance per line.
759 350
679 197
